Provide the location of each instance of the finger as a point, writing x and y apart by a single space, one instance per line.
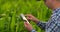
28 15
29 18
26 23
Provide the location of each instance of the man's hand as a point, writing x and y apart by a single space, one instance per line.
31 17
28 26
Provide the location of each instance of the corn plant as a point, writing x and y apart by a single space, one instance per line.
10 10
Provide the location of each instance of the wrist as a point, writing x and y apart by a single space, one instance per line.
30 30
36 20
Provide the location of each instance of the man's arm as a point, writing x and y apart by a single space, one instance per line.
41 24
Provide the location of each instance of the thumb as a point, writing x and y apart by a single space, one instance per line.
26 23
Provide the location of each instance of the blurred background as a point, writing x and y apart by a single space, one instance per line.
10 10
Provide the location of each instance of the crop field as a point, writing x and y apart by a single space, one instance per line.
10 10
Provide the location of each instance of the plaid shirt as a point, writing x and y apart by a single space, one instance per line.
53 24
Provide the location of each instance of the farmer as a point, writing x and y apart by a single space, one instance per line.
53 24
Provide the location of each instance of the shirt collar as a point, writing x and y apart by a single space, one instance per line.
56 10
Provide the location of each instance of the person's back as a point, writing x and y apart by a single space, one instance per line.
53 25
